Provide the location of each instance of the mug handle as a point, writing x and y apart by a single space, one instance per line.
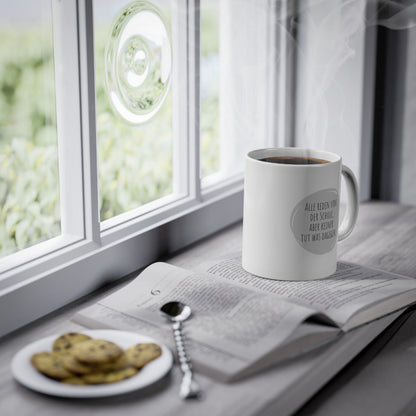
351 213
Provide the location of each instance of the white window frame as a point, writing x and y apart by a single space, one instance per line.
45 277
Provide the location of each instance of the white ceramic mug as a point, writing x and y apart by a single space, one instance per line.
291 213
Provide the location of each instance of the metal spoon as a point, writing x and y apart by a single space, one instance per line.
177 312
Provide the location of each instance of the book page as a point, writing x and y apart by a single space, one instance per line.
348 291
208 360
229 317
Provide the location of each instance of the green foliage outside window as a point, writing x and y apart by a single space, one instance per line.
29 187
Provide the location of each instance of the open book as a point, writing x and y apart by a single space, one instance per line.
242 323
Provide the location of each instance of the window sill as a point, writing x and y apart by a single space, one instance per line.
366 246
36 292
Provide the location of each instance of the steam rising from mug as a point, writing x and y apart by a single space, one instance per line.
325 40
393 14
396 15
327 36
138 61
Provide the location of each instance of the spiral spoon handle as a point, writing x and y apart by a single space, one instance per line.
177 312
189 387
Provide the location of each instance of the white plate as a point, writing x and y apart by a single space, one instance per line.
26 374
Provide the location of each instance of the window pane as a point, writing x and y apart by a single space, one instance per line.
210 82
134 109
236 62
29 181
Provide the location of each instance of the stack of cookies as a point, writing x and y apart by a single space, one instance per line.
79 359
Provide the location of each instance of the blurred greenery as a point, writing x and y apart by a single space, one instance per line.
209 142
135 163
29 180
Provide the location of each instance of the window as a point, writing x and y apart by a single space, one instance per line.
238 65
129 187
148 128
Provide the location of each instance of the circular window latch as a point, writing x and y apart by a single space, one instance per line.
138 62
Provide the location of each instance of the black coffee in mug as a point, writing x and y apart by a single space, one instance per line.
294 160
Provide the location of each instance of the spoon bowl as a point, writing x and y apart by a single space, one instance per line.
176 311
